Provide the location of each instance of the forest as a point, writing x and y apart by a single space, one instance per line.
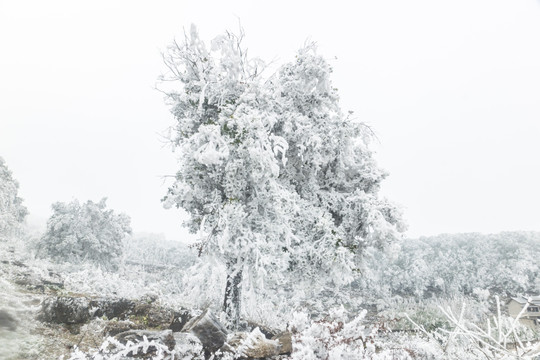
298 255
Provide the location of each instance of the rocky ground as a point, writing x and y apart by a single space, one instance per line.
40 319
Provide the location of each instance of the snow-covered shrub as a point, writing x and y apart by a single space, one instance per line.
112 349
450 265
157 253
334 337
12 211
203 284
90 232
501 337
397 312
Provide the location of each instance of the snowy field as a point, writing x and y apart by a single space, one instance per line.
407 309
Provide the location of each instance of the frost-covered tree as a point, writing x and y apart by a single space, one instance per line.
450 265
278 178
12 211
85 232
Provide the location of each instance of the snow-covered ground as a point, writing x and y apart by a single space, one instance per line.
382 333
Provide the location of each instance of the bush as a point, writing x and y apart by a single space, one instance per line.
12 211
85 233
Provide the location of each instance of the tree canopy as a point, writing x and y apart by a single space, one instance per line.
12 210
280 180
85 232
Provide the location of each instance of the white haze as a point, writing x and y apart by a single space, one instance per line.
450 88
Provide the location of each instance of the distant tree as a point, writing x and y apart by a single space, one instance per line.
89 232
154 249
12 211
450 265
281 181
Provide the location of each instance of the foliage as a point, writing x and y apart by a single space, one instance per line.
155 253
86 232
313 338
397 312
331 338
112 349
280 182
502 337
339 336
450 265
12 211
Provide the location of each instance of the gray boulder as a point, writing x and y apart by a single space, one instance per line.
207 328
285 342
112 308
65 310
155 316
118 326
79 310
180 319
252 345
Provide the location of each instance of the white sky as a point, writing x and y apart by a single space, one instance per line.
452 89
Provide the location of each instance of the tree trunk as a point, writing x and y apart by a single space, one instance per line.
233 296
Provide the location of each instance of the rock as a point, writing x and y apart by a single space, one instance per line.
116 327
142 308
188 346
65 310
159 317
234 341
153 315
150 297
285 342
32 280
7 321
266 330
208 330
78 310
252 345
54 279
180 319
29 280
112 308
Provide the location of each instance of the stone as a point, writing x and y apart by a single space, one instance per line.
154 316
208 330
266 330
65 310
116 327
180 319
29 280
234 341
159 317
78 310
53 279
285 342
188 346
252 345
33 280
142 308
112 308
